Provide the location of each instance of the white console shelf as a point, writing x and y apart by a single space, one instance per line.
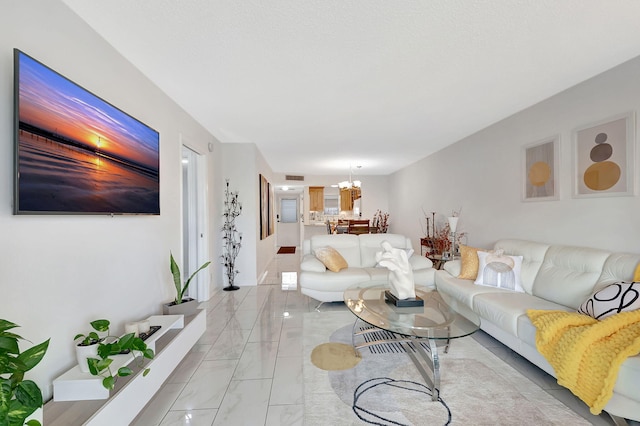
80 398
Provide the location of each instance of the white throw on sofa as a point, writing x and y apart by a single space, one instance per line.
553 278
359 251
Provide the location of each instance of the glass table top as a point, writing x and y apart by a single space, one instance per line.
441 317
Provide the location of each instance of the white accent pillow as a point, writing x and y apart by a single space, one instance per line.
613 299
495 269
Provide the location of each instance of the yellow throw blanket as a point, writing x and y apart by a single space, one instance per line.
585 353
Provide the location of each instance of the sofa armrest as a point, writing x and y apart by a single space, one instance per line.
453 267
310 263
420 262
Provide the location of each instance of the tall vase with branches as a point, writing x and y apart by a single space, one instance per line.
381 221
231 238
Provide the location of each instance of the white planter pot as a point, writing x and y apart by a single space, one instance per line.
187 308
84 352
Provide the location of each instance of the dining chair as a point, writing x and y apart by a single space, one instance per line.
342 227
358 226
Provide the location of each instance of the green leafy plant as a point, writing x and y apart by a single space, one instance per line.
93 337
177 279
19 398
108 346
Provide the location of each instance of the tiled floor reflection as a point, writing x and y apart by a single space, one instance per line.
247 368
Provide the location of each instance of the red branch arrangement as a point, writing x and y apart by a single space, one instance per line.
381 221
439 239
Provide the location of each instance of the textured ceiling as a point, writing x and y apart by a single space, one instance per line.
319 85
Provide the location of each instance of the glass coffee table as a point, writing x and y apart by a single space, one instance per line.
441 319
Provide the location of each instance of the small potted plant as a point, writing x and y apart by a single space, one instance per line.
181 305
107 347
19 398
87 347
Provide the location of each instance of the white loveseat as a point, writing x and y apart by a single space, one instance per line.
359 251
554 278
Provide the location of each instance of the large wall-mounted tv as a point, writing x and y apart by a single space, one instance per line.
76 153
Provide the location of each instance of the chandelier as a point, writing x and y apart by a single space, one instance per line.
350 183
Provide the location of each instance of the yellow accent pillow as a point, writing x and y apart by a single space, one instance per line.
469 263
331 259
636 276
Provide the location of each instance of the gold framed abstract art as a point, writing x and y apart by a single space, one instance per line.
603 157
540 167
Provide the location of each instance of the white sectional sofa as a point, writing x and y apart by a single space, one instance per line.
553 278
359 251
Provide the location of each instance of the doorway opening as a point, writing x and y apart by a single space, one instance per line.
194 232
288 222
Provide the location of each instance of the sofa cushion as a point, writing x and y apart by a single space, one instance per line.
618 267
496 269
503 307
613 299
346 244
532 257
453 267
370 244
469 262
378 275
568 275
312 263
526 329
628 378
461 290
419 262
409 253
333 281
424 277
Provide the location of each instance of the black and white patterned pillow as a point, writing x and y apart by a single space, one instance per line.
613 299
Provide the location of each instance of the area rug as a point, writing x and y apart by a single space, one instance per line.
384 388
287 250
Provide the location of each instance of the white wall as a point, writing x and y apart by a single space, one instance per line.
266 249
60 272
238 168
483 174
242 166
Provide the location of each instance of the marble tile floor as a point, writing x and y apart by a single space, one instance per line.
247 367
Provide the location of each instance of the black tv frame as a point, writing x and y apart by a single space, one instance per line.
135 155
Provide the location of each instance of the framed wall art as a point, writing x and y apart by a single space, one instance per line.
603 157
540 162
270 222
75 153
264 207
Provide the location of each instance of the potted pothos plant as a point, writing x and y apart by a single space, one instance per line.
19 398
87 346
106 347
181 304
